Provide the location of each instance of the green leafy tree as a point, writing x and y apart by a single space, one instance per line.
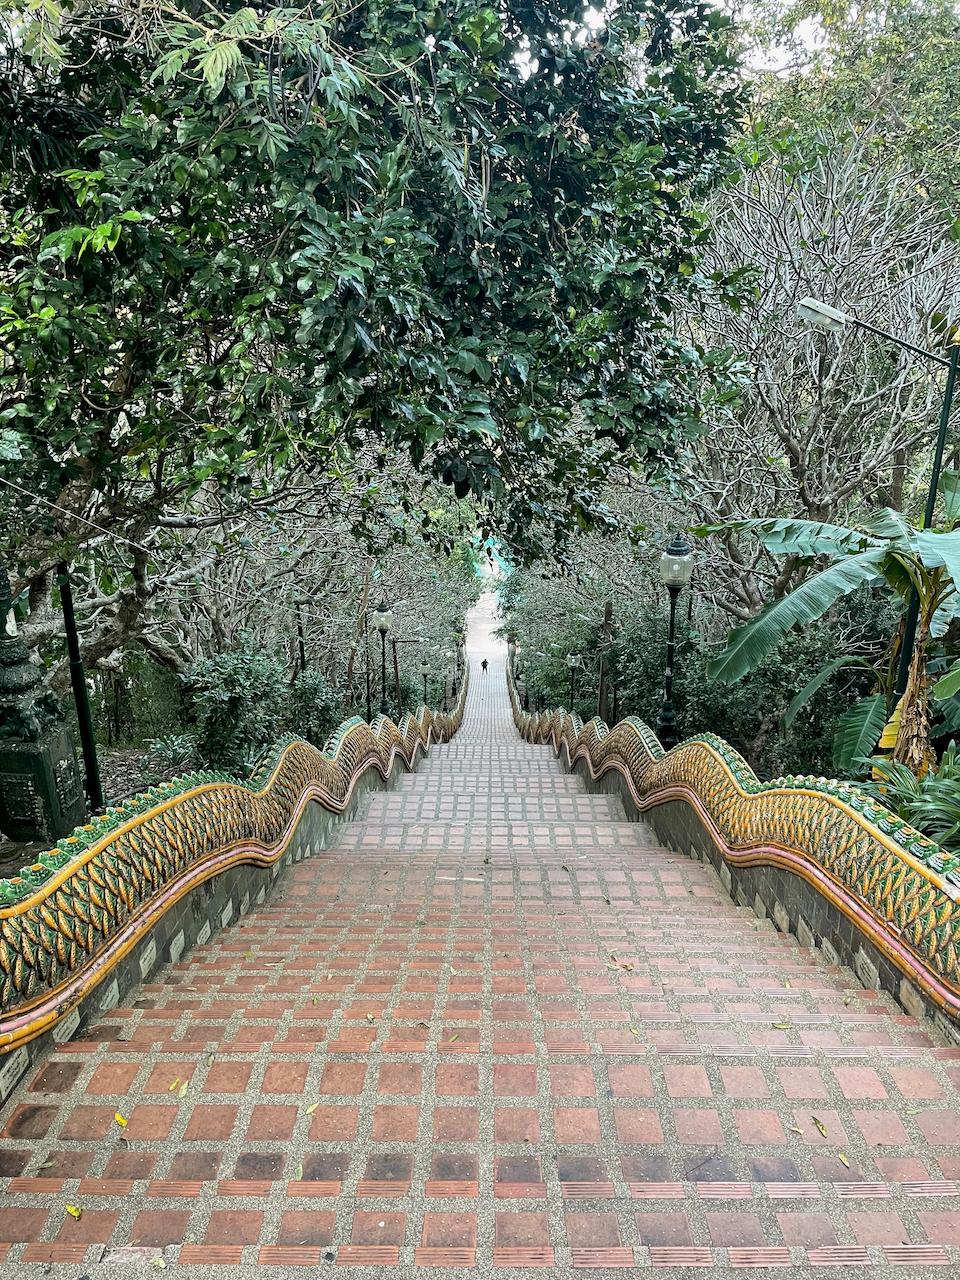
283 236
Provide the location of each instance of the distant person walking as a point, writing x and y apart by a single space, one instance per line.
483 666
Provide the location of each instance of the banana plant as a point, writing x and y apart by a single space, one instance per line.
882 549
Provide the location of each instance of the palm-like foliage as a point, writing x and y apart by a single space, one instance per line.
931 803
883 550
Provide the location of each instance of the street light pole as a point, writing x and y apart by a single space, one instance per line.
78 679
383 620
676 566
832 320
573 661
913 608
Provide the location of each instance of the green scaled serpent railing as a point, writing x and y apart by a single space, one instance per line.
899 888
68 919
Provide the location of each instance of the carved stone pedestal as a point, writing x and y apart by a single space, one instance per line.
41 796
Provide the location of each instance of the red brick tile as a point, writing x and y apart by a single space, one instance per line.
571 1080
343 1079
916 1083
940 1127
375 1227
96 1226
877 1226
759 1127
806 1122
168 1077
113 1078
456 1080
150 1122
576 1124
271 1122
802 1082
687 1082
17 1225
234 1226
811 1230
456 1124
521 1230
29 1121
516 1124
160 1226
638 1125
449 1230
285 1077
195 1166
227 1077
630 1081
400 1078
514 1080
395 1123
734 1227
309 1227
211 1122
591 1230
744 1082
859 1082
697 1126
334 1124
941 1226
56 1077
85 1123
668 1229
881 1128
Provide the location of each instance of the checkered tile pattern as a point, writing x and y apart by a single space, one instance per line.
494 1028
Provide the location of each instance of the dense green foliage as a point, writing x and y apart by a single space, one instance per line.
750 715
282 237
315 710
237 702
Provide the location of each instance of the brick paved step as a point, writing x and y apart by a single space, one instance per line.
494 1029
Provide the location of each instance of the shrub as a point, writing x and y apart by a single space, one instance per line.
174 752
238 702
315 709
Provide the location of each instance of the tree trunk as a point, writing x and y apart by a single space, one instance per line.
913 734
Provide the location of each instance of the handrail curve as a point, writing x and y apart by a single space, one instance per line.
900 888
70 917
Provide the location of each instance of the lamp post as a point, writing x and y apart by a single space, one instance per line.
572 661
366 674
832 320
383 621
676 566
424 671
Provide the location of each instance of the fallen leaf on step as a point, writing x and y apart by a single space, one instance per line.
120 1120
159 1263
781 1026
74 1211
820 1125
299 1172
843 1160
786 983
452 1038
312 1108
182 1091
369 1017
174 1084
211 1059
795 1129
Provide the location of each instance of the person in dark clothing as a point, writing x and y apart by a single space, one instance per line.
483 666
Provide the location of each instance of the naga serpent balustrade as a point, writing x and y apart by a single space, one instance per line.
71 917
899 888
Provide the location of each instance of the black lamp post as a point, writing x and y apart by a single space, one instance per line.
424 671
573 661
366 674
832 320
383 621
676 566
